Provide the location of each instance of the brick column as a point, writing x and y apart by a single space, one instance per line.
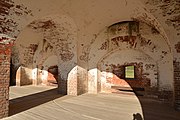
72 82
5 52
177 85
62 86
77 81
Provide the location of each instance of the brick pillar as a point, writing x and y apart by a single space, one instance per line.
5 52
177 85
77 81
62 82
72 82
62 86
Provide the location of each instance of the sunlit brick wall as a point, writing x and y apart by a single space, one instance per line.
5 52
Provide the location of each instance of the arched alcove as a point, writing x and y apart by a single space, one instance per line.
113 71
133 36
83 33
42 38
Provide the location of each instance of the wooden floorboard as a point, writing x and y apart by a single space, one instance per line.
44 103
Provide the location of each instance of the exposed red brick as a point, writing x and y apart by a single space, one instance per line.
118 76
177 84
9 8
5 52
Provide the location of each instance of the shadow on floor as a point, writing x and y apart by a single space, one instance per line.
21 104
152 108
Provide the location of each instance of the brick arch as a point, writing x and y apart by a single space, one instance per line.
50 35
112 70
104 44
101 17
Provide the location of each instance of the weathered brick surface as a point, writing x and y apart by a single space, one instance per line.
72 82
5 51
72 87
177 84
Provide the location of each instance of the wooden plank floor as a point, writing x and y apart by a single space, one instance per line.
44 103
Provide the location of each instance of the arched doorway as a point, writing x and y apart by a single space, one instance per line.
128 69
45 52
145 44
40 52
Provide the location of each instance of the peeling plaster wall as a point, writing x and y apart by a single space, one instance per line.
111 67
89 25
167 12
83 27
85 13
146 39
12 14
52 35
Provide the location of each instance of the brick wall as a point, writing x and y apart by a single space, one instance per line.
77 81
5 52
72 82
177 84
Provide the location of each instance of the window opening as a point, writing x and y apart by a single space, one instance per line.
129 72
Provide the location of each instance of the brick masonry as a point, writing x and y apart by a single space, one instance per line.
5 52
177 84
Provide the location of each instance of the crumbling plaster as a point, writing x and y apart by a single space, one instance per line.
167 13
146 41
77 34
114 60
90 18
53 35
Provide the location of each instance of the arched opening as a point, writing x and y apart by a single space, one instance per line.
50 71
52 75
140 46
136 29
37 61
133 36
128 70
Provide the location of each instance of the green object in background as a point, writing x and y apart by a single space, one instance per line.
129 72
